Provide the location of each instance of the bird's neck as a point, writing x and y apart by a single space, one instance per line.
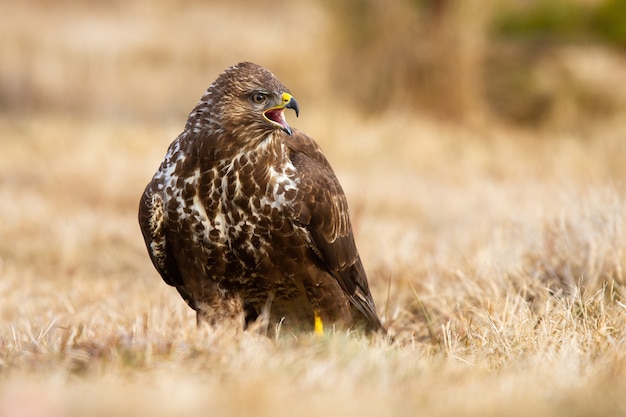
270 148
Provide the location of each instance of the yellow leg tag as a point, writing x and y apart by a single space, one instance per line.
319 325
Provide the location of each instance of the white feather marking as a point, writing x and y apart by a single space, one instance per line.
199 207
219 223
194 178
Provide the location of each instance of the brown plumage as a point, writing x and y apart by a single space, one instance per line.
246 218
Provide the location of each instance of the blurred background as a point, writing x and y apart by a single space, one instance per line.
481 145
556 64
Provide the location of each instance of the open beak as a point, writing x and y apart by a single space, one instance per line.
276 114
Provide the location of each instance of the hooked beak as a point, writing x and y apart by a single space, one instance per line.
276 114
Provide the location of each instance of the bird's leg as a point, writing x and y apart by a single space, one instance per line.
264 317
259 321
328 301
319 324
221 312
202 317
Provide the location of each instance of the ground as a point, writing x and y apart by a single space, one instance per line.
495 255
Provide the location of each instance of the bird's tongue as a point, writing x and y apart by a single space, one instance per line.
278 116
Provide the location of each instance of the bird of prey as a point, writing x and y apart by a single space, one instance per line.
247 220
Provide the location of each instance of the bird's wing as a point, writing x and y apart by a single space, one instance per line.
152 221
323 210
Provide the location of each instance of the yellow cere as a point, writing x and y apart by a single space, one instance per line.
286 98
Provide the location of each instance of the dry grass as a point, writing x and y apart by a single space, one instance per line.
495 256
469 243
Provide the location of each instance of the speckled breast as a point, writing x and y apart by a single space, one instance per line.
240 212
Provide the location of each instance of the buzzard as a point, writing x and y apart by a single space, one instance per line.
246 219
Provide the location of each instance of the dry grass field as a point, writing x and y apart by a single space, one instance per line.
495 254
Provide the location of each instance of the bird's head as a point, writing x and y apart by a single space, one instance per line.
246 100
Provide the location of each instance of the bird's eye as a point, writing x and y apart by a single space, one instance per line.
258 98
